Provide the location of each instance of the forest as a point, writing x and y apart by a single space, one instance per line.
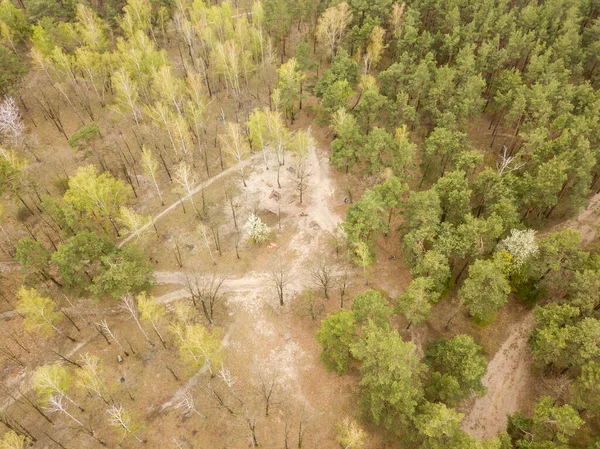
300 224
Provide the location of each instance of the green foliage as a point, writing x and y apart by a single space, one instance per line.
391 193
415 303
584 291
343 68
435 267
123 271
33 256
457 367
371 306
485 290
422 217
336 334
560 339
440 147
336 96
12 70
364 218
455 196
39 312
50 380
348 140
82 137
554 423
391 377
586 388
96 194
288 85
439 426
372 108
79 258
90 262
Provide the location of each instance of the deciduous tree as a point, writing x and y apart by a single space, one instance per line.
485 290
457 367
391 377
336 334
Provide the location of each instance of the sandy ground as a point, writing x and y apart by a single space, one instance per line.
507 379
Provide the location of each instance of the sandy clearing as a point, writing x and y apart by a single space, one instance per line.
198 188
508 377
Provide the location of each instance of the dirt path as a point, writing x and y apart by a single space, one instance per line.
509 372
319 220
508 377
196 189
586 222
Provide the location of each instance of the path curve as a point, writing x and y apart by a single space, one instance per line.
196 189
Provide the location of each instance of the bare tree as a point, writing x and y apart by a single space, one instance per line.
202 230
206 290
268 385
229 193
177 252
56 404
301 182
505 165
130 307
188 405
12 127
186 179
343 283
281 277
103 325
322 275
118 417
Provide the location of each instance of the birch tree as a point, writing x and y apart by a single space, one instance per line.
50 381
135 224
186 180
188 405
12 440
375 48
103 325
120 418
39 312
203 231
289 86
128 304
168 88
152 311
12 127
257 129
332 26
236 146
278 133
126 94
150 166
90 377
350 435
199 347
96 194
